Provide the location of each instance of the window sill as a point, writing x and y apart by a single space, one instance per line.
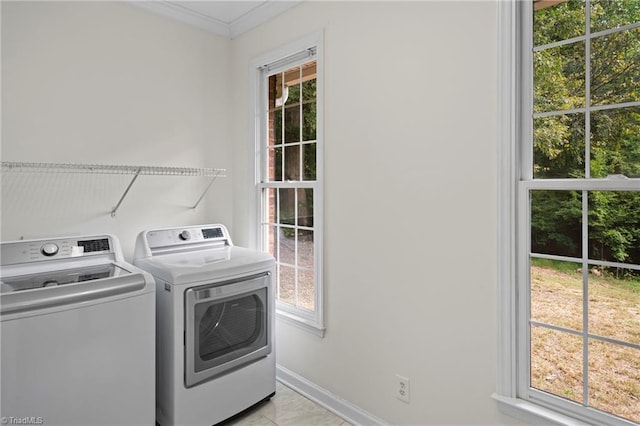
300 322
533 413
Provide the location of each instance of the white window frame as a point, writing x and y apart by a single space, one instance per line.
514 183
292 54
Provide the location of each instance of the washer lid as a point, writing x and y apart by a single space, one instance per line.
60 277
205 265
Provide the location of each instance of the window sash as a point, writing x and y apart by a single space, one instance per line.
265 222
514 395
294 54
527 184
523 280
526 86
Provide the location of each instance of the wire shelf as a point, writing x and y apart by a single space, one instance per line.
14 166
22 167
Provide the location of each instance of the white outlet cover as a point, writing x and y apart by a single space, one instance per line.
402 388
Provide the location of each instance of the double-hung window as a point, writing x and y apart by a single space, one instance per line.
570 271
289 178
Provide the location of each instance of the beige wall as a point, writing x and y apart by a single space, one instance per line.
109 83
410 204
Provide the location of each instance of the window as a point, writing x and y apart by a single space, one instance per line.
289 184
570 244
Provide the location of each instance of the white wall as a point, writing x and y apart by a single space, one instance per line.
410 147
109 83
410 204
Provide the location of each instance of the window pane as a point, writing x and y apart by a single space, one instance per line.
556 293
614 302
615 142
275 91
306 289
309 124
272 240
287 246
558 146
287 204
615 68
271 201
556 223
305 249
275 127
275 164
292 81
309 159
614 379
556 363
293 96
556 22
292 124
606 14
309 72
292 162
559 78
305 207
286 284
614 226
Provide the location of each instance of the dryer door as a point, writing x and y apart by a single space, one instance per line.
227 326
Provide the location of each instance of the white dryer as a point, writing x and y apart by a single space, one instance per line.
215 312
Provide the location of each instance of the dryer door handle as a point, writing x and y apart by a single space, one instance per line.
69 294
229 288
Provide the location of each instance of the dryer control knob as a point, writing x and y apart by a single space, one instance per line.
184 235
49 249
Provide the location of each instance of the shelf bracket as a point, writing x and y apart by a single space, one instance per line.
213 179
126 191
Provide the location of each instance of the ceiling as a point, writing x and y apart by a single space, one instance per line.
225 18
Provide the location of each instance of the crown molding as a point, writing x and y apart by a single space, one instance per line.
266 11
184 15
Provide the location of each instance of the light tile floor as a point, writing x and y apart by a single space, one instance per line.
288 408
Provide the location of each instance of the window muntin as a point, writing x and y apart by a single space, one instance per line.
580 243
290 185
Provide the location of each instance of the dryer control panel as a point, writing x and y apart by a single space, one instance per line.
176 239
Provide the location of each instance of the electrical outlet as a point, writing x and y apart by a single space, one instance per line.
402 388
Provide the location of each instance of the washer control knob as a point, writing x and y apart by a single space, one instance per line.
49 249
184 235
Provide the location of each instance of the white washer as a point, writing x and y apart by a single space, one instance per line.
78 334
215 312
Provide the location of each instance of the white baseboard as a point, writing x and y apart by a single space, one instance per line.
341 407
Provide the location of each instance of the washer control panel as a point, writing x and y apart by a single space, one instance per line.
58 248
